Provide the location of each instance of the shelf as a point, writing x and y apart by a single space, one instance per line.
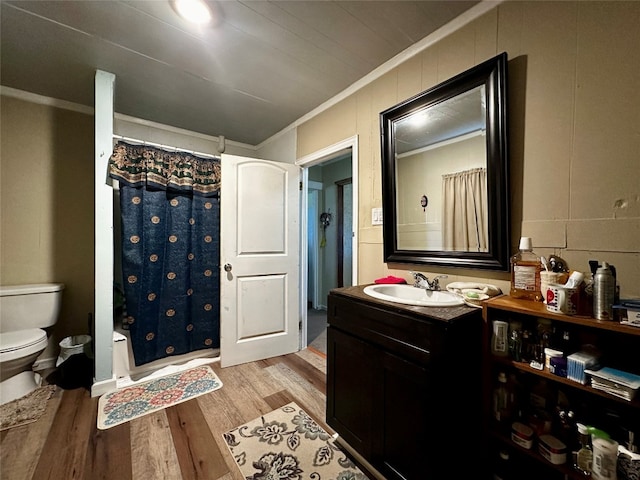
618 343
565 468
563 380
538 309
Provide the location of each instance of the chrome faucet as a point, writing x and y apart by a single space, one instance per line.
421 281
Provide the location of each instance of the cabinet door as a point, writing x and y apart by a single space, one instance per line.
350 385
404 435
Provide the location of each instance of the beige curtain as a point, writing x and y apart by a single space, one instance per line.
465 211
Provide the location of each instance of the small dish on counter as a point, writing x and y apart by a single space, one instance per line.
474 299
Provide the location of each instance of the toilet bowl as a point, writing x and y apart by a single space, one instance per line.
25 310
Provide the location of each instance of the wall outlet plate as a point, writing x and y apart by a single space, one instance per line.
376 216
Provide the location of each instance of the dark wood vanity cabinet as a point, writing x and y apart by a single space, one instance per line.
404 383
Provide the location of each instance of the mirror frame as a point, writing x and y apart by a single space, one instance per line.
493 75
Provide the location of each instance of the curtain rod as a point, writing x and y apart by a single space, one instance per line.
167 147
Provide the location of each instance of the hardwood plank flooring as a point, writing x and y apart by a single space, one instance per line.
153 448
182 442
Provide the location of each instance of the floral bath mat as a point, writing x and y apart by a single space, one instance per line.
125 404
288 444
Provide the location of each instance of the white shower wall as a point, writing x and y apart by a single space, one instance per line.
127 373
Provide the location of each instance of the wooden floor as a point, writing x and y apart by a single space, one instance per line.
179 442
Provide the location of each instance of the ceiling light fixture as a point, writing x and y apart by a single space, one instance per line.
195 11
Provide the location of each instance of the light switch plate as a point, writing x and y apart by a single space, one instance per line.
376 216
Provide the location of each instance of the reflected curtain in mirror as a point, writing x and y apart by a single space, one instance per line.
170 217
465 211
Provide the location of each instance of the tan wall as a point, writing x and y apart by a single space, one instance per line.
574 141
574 145
46 210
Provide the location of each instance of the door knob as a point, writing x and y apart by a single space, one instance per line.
227 267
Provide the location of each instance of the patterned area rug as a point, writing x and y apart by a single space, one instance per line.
26 409
287 444
135 401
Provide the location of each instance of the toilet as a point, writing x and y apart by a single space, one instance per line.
25 310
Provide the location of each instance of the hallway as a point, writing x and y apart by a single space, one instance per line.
317 330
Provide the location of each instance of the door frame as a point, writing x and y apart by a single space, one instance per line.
340 226
305 162
313 189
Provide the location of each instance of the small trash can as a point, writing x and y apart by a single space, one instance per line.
74 345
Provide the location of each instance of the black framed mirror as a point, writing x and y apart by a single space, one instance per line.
449 144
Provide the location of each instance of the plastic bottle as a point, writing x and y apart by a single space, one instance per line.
605 458
502 400
564 427
584 457
514 396
564 342
585 297
502 469
515 340
604 290
525 272
544 336
528 345
541 395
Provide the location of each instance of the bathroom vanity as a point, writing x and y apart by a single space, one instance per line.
404 383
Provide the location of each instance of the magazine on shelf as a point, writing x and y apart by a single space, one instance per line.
615 382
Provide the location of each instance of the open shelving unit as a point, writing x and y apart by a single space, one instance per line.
619 343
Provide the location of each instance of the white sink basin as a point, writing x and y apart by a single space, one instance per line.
410 295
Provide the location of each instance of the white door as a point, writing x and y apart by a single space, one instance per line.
260 259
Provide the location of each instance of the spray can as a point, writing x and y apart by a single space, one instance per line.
604 290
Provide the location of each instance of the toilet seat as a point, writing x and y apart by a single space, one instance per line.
21 343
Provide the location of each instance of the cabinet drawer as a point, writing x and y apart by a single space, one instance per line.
413 338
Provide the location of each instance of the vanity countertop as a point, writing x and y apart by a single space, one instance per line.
446 314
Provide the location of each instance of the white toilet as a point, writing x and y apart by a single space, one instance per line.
24 311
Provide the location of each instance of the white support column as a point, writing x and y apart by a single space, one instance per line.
104 379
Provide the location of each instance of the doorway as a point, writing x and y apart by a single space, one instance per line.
330 254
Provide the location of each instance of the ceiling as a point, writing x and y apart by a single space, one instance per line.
257 69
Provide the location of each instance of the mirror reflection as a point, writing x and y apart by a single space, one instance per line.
444 172
441 155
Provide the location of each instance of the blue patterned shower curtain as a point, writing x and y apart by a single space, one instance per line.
170 215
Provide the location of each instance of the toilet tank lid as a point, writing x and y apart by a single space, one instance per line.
9 290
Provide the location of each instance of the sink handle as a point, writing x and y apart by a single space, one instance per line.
435 283
419 280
